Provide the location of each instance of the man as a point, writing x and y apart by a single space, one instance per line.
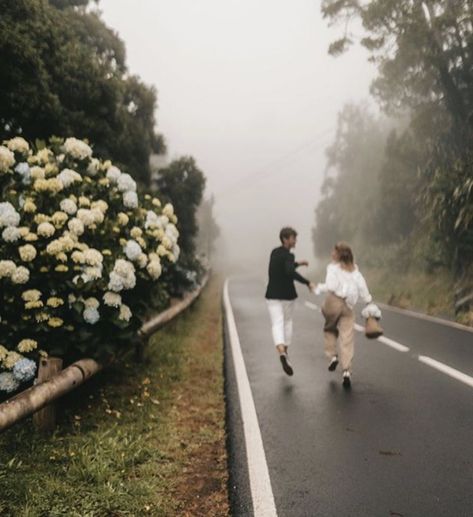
281 293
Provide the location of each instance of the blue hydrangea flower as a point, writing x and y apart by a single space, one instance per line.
91 315
8 383
23 169
24 370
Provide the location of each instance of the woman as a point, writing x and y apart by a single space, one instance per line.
344 284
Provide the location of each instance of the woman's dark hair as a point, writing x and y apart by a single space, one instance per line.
287 232
345 255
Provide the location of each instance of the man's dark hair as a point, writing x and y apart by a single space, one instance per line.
287 232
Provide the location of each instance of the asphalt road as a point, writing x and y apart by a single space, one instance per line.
399 443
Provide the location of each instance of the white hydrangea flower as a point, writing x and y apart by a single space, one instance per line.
21 275
27 345
68 206
7 268
45 230
126 183
77 149
93 257
91 316
115 282
152 220
92 273
132 250
122 276
18 144
125 313
101 205
142 260
55 247
98 216
8 215
113 174
176 251
112 299
31 295
130 199
93 167
27 252
76 226
7 158
154 269
161 251
68 177
86 216
91 303
168 210
166 242
11 234
78 257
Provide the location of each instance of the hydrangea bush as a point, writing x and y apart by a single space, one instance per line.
82 255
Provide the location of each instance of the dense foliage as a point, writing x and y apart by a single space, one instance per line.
416 192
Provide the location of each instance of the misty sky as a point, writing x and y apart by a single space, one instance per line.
248 89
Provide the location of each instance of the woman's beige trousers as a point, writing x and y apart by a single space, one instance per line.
339 323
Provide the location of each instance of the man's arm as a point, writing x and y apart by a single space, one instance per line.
290 268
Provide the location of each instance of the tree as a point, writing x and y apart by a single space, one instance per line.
351 191
208 227
64 73
423 49
424 54
183 183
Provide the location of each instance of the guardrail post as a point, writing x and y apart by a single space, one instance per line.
45 419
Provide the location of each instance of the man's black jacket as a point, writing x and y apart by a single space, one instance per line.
282 273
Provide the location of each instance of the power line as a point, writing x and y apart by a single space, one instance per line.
260 174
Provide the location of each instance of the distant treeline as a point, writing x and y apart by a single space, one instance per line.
399 186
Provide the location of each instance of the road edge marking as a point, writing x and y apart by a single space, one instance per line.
260 482
426 317
448 370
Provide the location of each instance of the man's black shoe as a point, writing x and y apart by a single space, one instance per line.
286 365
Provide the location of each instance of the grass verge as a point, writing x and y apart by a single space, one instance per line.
140 439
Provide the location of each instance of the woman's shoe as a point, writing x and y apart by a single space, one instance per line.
333 364
346 379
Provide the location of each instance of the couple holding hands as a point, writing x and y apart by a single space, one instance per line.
344 285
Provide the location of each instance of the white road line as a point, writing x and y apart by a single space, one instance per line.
260 482
312 306
456 374
393 344
390 342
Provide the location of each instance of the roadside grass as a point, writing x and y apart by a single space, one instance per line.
139 439
429 293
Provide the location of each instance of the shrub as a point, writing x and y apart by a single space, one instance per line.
82 255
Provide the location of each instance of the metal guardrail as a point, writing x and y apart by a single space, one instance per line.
40 395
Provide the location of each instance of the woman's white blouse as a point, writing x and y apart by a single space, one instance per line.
349 285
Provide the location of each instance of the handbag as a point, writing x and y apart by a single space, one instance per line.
372 328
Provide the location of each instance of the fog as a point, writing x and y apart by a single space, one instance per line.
246 87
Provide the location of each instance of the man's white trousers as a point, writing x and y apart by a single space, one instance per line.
280 312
